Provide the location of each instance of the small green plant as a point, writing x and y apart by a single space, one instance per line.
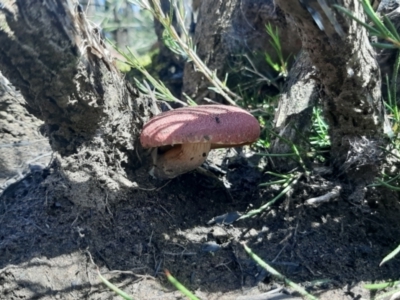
320 138
282 65
183 45
287 182
157 90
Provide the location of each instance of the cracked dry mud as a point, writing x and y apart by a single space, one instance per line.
50 249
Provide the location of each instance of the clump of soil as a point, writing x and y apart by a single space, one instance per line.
51 249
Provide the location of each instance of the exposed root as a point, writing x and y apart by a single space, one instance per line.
325 198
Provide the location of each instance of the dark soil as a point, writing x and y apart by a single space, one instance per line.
50 248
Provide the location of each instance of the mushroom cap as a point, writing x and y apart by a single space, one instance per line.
220 125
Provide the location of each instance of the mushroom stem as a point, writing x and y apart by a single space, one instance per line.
180 159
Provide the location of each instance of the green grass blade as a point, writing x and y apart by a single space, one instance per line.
269 60
389 186
180 286
390 255
375 19
380 286
189 100
389 91
278 275
114 288
391 27
384 45
287 188
393 85
347 12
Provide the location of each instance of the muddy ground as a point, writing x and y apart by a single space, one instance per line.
51 249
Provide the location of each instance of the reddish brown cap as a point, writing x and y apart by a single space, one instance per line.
219 125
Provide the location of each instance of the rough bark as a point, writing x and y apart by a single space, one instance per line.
238 28
349 77
293 118
67 77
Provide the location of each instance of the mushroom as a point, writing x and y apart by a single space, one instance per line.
183 137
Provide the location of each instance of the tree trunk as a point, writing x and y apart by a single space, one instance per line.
350 86
238 28
62 67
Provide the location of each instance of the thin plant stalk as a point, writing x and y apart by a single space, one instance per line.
185 47
278 275
389 186
385 30
390 255
114 288
381 286
179 286
161 91
288 186
280 67
294 149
